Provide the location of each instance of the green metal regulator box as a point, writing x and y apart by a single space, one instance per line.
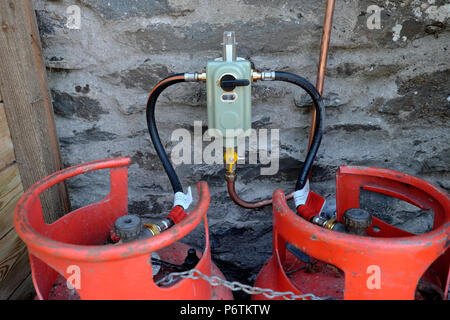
228 87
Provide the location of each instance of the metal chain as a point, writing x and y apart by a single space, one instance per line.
214 281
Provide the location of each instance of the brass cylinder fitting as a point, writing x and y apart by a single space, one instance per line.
153 228
330 224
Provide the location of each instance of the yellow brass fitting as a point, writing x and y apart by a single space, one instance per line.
202 77
256 75
330 224
230 158
154 229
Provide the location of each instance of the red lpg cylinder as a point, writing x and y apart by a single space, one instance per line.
389 263
75 244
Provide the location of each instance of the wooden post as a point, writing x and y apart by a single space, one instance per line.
29 148
15 280
27 102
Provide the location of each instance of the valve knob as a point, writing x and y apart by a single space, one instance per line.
191 259
128 227
229 82
357 220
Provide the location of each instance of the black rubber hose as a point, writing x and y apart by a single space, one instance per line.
320 119
151 124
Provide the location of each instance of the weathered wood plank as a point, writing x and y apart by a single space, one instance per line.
6 146
10 192
25 291
14 264
27 102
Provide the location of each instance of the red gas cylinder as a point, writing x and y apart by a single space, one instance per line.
74 245
389 263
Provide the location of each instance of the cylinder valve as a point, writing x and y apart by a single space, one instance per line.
357 221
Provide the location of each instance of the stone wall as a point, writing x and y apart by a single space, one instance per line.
387 95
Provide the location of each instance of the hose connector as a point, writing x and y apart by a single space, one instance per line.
330 224
153 228
176 215
263 76
195 76
268 75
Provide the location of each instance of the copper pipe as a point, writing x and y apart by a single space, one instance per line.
324 46
250 205
326 36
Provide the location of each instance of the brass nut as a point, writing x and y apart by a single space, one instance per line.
230 176
154 229
330 224
202 77
256 76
